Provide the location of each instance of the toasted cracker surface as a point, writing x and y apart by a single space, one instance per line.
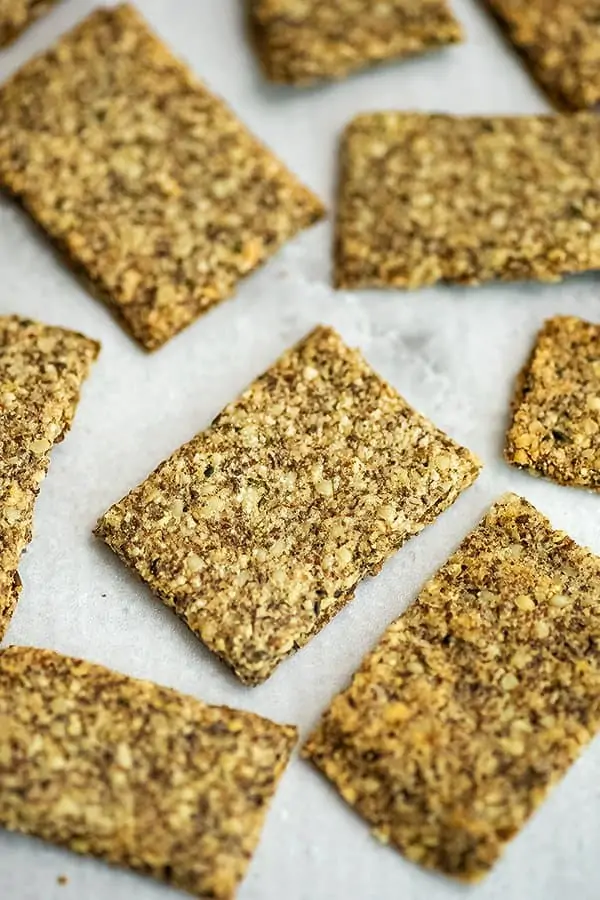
301 41
17 15
258 530
428 198
477 700
41 372
133 773
147 182
560 42
555 430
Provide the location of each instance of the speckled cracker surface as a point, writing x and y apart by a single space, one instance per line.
428 198
148 183
555 430
477 700
133 773
560 42
258 530
41 372
17 15
301 41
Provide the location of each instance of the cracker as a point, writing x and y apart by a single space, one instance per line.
560 44
41 372
17 15
477 700
428 198
146 181
302 42
134 773
555 429
258 530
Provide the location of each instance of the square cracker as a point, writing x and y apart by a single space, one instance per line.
560 42
477 700
133 773
428 198
301 41
555 430
41 372
17 15
148 183
258 530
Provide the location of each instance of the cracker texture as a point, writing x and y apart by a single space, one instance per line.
429 198
555 429
301 41
560 42
148 183
258 530
133 773
41 372
477 700
17 15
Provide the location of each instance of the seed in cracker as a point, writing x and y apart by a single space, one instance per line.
555 429
17 15
41 372
560 44
429 198
150 185
319 39
134 773
258 530
477 700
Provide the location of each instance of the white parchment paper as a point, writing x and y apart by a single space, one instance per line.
452 352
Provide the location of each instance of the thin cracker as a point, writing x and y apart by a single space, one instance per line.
147 182
301 41
477 700
560 42
258 530
17 15
133 773
428 198
42 369
555 429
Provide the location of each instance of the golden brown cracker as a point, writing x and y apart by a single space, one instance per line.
17 15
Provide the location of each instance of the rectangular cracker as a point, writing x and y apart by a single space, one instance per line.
477 700
428 198
134 773
148 183
318 39
17 15
42 369
555 429
560 43
258 530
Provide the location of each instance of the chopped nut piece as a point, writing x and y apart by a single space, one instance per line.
118 164
560 44
301 41
41 370
552 405
449 759
302 543
418 193
154 780
17 15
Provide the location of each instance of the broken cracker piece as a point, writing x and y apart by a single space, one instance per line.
477 700
148 183
555 430
429 198
303 42
17 15
560 43
134 773
258 530
41 372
